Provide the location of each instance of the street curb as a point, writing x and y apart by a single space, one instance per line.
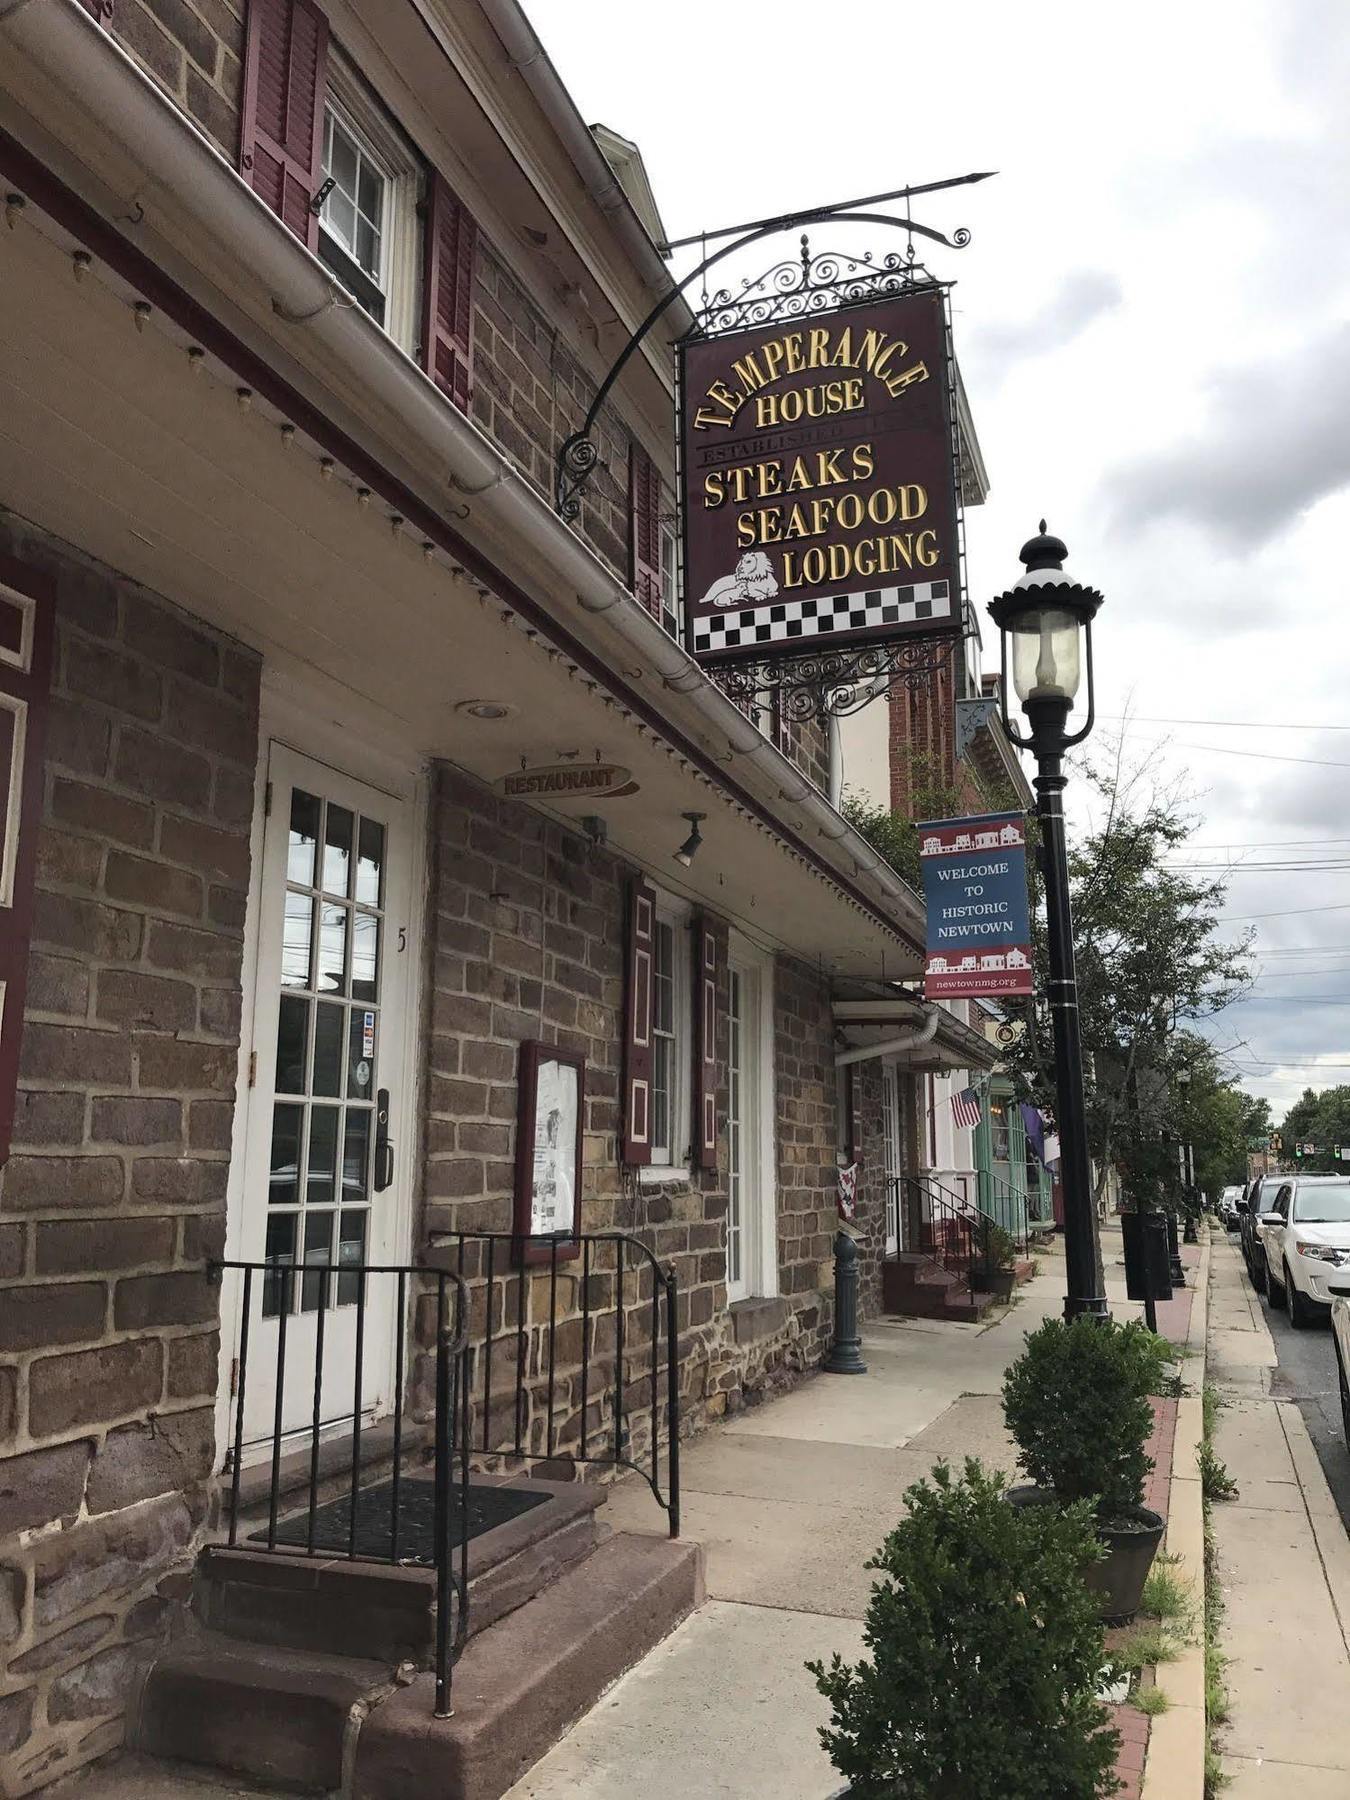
1175 1765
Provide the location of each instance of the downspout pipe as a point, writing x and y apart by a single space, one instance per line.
909 1040
79 56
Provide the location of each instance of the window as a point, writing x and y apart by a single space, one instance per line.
999 1138
1323 1205
672 1041
672 612
368 226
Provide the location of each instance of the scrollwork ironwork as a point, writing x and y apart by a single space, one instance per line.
811 282
825 683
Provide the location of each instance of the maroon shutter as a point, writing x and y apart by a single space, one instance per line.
447 293
101 9
637 1024
705 1044
26 606
644 529
281 133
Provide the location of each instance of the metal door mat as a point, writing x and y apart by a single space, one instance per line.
488 1507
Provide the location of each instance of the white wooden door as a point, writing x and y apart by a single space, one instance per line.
330 1009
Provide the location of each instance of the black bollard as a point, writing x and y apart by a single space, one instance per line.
1174 1252
844 1356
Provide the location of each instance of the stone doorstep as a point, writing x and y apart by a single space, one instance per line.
520 1685
368 1609
335 1468
273 1714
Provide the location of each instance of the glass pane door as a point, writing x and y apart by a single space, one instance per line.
735 1135
890 1135
321 1197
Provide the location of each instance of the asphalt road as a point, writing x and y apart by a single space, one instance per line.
1307 1374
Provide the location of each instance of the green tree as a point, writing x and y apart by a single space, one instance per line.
1322 1119
1150 964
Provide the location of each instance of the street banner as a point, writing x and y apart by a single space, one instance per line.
979 924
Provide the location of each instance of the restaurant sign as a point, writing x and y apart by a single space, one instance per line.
979 923
568 781
820 488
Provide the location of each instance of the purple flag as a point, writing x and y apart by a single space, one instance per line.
1035 1129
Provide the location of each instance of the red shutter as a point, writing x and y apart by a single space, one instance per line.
644 529
27 602
281 134
705 1044
637 1024
447 293
101 9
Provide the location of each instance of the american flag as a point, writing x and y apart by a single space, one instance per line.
966 1108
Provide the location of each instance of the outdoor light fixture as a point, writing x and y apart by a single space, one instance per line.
485 709
689 849
1045 623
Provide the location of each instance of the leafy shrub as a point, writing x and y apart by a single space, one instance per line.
1076 1403
1000 1250
985 1655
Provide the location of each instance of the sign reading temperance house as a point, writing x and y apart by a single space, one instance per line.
819 464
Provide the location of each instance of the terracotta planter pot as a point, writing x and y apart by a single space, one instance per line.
1130 1550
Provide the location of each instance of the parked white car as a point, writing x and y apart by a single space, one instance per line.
1227 1207
1303 1235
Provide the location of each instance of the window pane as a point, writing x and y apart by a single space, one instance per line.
355 1156
285 1160
367 248
661 1048
319 1184
360 1053
370 862
351 1249
337 851
328 1030
304 836
292 1043
365 956
280 1254
318 1252
332 976
663 989
296 930
343 167
370 194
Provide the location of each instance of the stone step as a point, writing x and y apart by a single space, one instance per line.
376 1610
519 1685
278 1716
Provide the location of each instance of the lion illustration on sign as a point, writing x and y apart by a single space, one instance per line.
754 580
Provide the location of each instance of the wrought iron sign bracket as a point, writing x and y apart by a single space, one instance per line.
833 682
579 455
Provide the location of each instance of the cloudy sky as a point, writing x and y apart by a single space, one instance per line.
1153 326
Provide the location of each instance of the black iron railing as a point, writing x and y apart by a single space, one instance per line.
538 1350
579 1386
947 1229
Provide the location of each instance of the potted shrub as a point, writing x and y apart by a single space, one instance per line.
1077 1405
1001 1253
985 1654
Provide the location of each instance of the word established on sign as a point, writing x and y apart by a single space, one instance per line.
568 781
979 923
820 482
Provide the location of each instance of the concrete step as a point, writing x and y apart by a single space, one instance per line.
367 1609
280 1717
518 1686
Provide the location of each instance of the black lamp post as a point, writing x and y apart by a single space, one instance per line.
1045 617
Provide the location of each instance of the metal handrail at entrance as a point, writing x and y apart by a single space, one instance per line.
531 1350
946 1228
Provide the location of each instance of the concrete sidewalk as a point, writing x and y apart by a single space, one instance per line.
789 1501
1284 1568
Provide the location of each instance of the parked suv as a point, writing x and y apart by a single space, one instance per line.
1303 1233
1227 1207
1249 1208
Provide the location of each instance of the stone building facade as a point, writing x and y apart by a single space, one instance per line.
310 605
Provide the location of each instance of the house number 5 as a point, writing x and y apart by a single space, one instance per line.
402 939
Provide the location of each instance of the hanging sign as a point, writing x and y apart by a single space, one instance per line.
568 781
820 487
979 924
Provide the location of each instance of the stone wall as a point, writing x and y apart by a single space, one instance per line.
527 942
193 50
115 1190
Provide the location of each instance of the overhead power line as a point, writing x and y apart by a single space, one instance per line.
1234 724
1291 913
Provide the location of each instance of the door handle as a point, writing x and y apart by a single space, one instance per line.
384 1149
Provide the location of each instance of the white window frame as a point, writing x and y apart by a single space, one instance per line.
671 1160
672 604
401 231
759 1208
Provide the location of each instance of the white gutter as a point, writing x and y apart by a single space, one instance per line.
81 58
909 1040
